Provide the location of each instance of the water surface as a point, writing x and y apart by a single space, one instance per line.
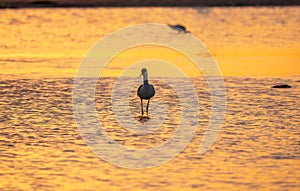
257 149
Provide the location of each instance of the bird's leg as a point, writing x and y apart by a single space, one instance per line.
147 106
142 107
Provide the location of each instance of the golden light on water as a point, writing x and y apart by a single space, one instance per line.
255 47
258 61
163 57
255 44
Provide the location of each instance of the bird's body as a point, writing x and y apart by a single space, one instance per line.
179 28
146 91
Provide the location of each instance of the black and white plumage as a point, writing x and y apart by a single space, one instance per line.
146 91
179 28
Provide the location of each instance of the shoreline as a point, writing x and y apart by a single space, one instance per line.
139 3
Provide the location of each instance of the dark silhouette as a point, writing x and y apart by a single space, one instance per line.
282 86
179 28
151 3
145 91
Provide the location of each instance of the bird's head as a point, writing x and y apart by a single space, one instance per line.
143 71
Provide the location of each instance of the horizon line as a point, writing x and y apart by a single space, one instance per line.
140 3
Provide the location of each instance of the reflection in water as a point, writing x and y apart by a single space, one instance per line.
41 147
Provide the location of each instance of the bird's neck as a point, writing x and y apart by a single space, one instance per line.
145 78
146 82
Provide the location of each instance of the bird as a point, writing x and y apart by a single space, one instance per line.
145 91
179 28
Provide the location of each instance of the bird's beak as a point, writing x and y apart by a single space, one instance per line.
141 74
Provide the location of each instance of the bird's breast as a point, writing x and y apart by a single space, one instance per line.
146 91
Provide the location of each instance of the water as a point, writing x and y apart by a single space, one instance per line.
41 147
52 42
